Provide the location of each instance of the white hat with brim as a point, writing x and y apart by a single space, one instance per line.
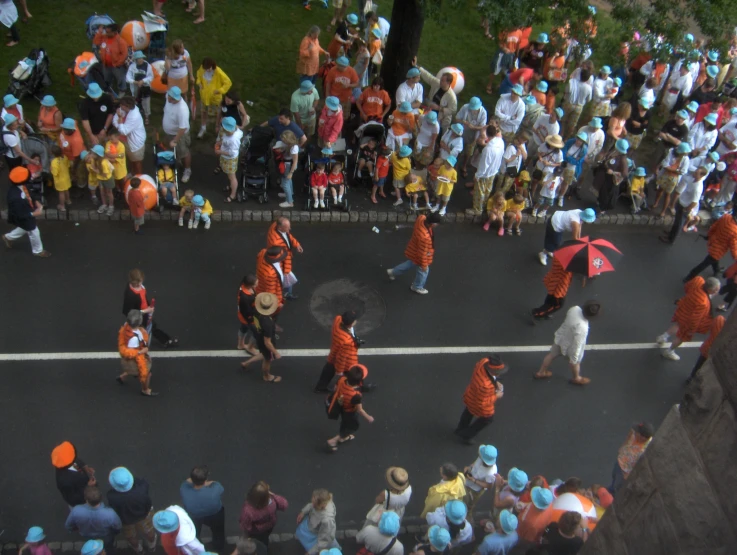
554 141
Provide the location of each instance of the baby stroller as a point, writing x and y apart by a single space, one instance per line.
36 146
30 76
157 27
329 160
254 162
164 156
85 70
368 131
95 21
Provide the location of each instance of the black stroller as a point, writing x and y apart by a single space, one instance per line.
30 76
254 162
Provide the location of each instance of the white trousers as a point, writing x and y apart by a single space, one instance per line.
35 237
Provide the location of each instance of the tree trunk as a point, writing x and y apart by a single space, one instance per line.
403 42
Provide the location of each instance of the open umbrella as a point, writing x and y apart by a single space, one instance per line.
588 256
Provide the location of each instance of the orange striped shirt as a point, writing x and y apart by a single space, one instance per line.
480 394
716 327
343 350
420 248
269 280
557 280
693 313
275 239
345 393
723 237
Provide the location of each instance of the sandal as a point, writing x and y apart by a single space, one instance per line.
150 394
217 170
580 381
229 199
274 379
349 438
332 447
542 375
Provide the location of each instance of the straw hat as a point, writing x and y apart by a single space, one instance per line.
266 303
397 478
554 141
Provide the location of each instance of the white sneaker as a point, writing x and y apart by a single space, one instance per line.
340 199
189 224
542 214
195 224
102 208
175 202
527 203
432 208
207 224
543 258
390 274
335 200
442 211
662 340
186 175
419 290
560 202
398 202
670 354
534 213
315 204
110 210
414 207
201 132
286 205
691 229
322 204
282 195
181 222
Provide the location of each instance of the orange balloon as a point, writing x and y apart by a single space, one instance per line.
134 33
158 70
147 189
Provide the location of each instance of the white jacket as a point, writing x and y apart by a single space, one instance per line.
572 334
186 541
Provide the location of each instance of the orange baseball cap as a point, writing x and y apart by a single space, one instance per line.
19 175
63 454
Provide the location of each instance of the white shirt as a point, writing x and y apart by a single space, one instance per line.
437 518
577 92
11 140
176 117
682 83
647 94
136 340
576 76
515 154
700 138
550 186
542 128
133 129
230 145
730 133
384 27
596 141
482 474
427 130
670 158
407 94
551 156
186 538
563 220
509 112
292 150
130 75
477 118
690 190
491 158
571 336
601 88
178 67
454 142
376 542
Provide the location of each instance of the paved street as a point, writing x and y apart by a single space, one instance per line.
210 411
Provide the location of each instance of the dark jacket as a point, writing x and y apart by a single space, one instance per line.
20 213
132 506
71 485
132 301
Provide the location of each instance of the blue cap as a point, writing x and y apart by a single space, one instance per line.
508 521
138 55
683 148
10 100
622 145
332 103
327 151
559 112
197 200
474 103
98 149
83 155
121 479
640 172
518 89
413 72
405 151
352 19
166 521
166 156
175 93
712 71
343 61
457 128
595 123
306 86
733 111
541 497
592 10
542 86
92 547
68 124
452 160
618 81
229 124
693 106
542 38
688 37
682 114
432 117
711 118
439 537
583 136
588 216
331 551
714 156
389 523
35 534
529 100
713 55
376 32
9 118
488 454
455 511
48 101
405 107
517 479
606 69
94 90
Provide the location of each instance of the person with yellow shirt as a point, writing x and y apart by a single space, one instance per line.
401 166
495 208
213 84
446 179
513 208
62 180
415 186
202 211
115 152
101 170
185 205
637 190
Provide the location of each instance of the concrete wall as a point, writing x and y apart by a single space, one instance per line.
681 498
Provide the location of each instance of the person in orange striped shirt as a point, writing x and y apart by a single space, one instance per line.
705 350
348 394
722 237
480 397
419 252
557 281
343 350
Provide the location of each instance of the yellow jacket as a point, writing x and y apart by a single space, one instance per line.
211 93
207 209
439 494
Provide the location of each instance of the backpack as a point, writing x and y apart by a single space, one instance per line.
332 407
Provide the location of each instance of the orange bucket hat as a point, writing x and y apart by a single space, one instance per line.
63 455
19 175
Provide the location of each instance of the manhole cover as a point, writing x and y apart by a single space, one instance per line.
335 297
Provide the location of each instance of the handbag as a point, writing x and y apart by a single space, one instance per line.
303 534
374 514
511 171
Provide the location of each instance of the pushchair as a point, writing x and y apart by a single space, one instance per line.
368 131
95 21
85 70
156 27
329 160
32 146
254 161
30 76
164 156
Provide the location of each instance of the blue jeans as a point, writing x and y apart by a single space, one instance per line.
420 274
286 185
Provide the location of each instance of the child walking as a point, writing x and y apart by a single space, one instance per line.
62 179
115 153
102 169
380 174
135 204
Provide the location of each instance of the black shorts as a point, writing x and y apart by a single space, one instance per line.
537 174
348 423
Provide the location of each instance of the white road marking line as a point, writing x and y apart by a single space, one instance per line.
377 351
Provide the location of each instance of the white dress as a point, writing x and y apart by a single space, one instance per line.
572 334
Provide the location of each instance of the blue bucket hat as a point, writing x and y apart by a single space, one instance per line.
94 90
352 19
733 112
452 160
165 156
229 124
606 70
529 100
35 534
457 128
541 497
121 479
439 537
542 38
198 201
683 148
683 114
692 106
714 156
474 103
542 86
508 521
688 37
166 521
92 547
138 55
622 145
98 149
583 136
644 102
376 32
518 89
68 124
405 107
9 100
517 479
640 172
83 155
713 55
618 81
595 123
712 71
455 511
405 151
488 454
413 72
711 118
592 10
48 101
432 117
343 61
389 523
9 118
306 86
559 112
588 216
331 551
175 93
332 103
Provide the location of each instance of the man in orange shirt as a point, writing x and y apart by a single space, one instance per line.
113 54
340 82
536 517
480 397
419 252
374 103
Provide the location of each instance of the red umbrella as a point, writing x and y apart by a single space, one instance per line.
588 256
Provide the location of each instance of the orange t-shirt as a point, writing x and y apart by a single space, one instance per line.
403 123
71 145
339 81
510 41
373 103
533 521
539 96
382 167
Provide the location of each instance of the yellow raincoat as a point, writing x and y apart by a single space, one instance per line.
439 494
211 92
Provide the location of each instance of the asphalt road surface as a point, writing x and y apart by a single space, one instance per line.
212 412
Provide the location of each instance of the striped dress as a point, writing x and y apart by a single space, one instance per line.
421 246
480 394
723 238
693 313
343 350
